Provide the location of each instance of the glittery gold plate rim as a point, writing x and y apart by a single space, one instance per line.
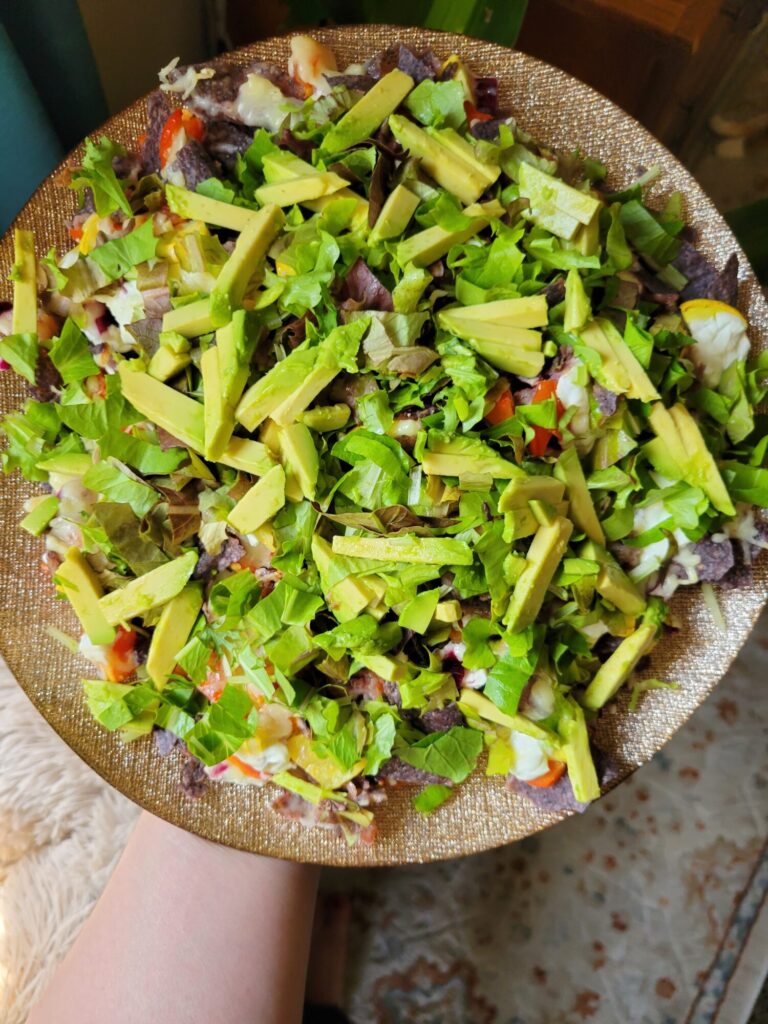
565 114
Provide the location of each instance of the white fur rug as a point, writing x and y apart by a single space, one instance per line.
61 830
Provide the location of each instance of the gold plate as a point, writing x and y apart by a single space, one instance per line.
565 114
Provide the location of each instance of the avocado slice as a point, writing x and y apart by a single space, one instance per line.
190 320
195 206
277 384
620 370
43 508
576 750
24 320
508 347
77 581
612 582
615 586
614 672
395 214
578 309
247 456
335 352
370 111
682 453
452 162
509 358
418 612
522 522
554 205
168 408
282 166
271 437
348 597
528 311
587 237
500 333
448 611
300 190
324 418
430 244
153 589
568 470
464 456
476 704
218 418
165 364
260 503
172 632
406 548
300 458
524 488
234 277
542 559
392 669
465 150
225 368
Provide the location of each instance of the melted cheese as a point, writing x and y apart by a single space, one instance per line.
260 104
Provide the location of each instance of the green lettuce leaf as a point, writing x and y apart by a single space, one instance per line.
118 256
431 797
97 174
224 726
746 483
451 755
507 680
123 529
438 103
384 731
113 483
21 351
71 355
116 705
96 418
648 236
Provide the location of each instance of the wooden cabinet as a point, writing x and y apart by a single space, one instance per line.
661 60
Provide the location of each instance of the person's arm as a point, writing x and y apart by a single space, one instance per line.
189 931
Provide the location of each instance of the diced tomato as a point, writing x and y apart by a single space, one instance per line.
213 686
121 657
473 114
543 435
181 118
503 408
549 778
76 232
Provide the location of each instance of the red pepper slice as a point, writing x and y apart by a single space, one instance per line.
473 114
180 118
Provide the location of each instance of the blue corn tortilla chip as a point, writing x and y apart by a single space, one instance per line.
704 281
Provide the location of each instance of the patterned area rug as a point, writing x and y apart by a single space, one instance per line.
640 911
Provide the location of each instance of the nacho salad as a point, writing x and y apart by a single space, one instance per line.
372 436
